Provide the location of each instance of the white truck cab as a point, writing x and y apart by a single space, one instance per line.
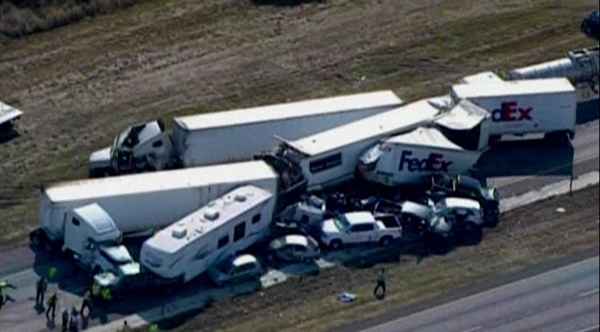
145 146
360 227
93 239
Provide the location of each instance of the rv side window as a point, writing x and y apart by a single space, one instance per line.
239 232
326 163
75 222
223 241
256 218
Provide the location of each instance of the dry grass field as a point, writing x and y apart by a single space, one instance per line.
81 84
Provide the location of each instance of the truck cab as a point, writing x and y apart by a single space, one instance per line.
93 240
142 147
360 227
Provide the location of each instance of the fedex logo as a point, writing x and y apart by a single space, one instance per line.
435 162
509 112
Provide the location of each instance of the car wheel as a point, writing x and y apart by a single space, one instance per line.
336 244
385 241
471 234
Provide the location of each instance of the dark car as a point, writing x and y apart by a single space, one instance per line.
589 26
439 186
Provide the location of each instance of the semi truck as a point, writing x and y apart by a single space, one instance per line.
142 202
8 116
220 229
330 157
581 68
407 158
547 106
230 136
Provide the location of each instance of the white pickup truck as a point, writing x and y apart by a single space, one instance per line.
360 227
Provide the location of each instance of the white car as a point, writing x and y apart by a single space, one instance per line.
360 227
295 248
236 269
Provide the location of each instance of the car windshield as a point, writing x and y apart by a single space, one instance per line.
341 222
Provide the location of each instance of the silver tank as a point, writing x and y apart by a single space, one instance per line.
581 66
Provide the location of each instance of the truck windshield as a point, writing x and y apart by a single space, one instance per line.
341 223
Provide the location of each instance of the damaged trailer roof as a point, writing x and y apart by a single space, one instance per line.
464 116
429 137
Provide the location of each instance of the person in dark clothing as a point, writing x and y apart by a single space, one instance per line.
52 302
86 303
40 290
65 320
380 285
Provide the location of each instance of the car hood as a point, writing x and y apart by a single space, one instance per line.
329 227
130 269
101 156
119 254
106 279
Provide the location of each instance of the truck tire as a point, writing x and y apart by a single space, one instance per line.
471 234
336 244
558 138
37 239
385 241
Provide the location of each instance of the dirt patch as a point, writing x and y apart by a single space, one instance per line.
526 236
82 84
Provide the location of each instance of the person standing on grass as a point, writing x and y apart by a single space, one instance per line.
380 284
40 290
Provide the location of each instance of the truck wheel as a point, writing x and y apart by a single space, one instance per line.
471 234
385 241
336 244
37 239
560 138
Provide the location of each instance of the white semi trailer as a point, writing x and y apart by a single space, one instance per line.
547 106
8 116
330 158
203 238
141 202
230 136
407 158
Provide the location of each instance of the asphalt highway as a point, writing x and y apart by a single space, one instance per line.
562 300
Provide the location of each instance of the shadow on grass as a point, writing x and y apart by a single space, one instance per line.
7 134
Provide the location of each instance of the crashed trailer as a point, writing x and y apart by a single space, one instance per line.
8 116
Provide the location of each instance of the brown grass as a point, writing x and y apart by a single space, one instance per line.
21 18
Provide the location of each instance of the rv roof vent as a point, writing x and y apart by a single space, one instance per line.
211 214
179 232
240 197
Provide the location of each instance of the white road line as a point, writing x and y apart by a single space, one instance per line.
589 293
478 295
590 329
476 328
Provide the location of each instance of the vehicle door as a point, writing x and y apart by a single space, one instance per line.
300 252
361 233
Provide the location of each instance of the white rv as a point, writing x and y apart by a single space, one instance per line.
330 157
201 239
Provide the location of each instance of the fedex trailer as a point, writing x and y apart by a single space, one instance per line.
407 158
545 106
330 158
